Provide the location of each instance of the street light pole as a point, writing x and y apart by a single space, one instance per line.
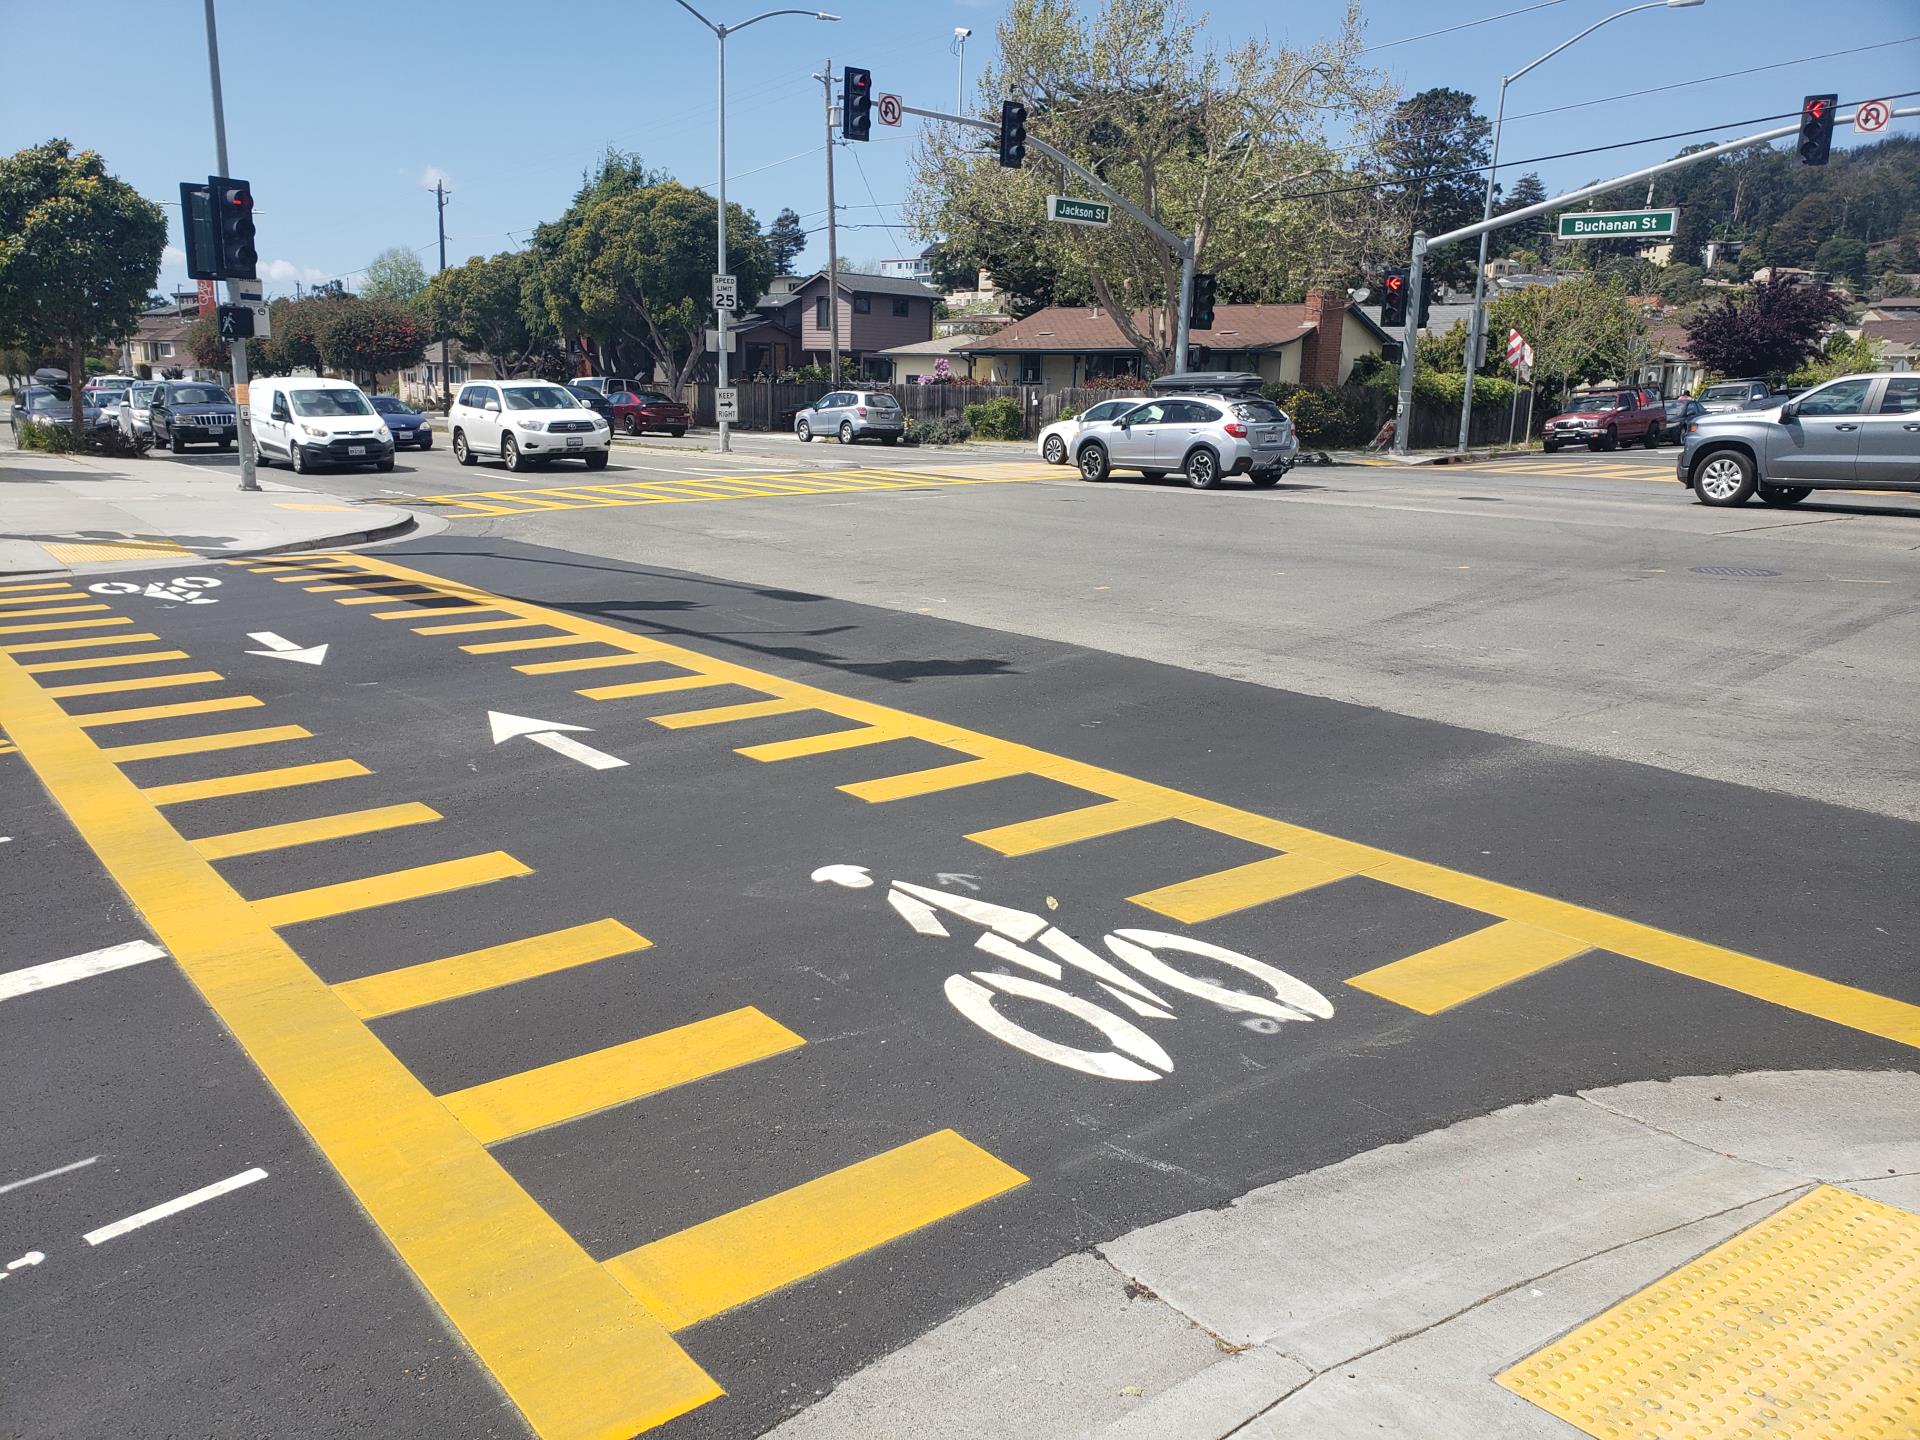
1476 324
722 316
960 34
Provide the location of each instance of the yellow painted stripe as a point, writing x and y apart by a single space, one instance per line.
584 662
60 625
342 585
470 627
538 642
664 686
94 608
308 832
1207 897
1467 968
422 610
100 662
415 883
1089 823
712 1267
818 744
41 647
568 1089
203 744
36 585
254 781
135 682
313 572
390 596
929 782
184 708
727 714
412 986
570 1347
43 599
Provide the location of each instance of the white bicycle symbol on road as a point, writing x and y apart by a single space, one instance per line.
182 589
1133 1054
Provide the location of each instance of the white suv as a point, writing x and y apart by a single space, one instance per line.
525 423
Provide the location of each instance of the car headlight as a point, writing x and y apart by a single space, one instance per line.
531 424
600 423
316 433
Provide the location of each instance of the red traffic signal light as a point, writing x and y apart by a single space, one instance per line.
1816 128
1396 283
1393 299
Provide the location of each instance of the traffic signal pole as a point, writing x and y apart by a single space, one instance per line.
1421 244
833 237
236 349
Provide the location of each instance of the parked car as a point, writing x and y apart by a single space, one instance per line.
606 384
309 421
132 414
192 412
406 424
593 399
1680 410
526 423
1056 440
103 392
48 405
637 411
1859 432
1731 395
1204 437
852 415
1606 420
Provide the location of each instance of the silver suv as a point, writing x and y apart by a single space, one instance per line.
1204 437
1860 432
853 415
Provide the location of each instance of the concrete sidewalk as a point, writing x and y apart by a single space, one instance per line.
63 512
1703 1257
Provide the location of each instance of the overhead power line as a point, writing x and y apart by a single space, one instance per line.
1463 25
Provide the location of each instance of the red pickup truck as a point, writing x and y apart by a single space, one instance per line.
1607 419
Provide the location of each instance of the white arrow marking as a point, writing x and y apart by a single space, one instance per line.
853 877
548 733
949 877
281 648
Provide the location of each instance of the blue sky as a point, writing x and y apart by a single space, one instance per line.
339 111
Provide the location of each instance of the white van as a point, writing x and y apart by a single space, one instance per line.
308 422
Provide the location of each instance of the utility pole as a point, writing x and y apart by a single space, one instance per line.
960 34
236 349
833 240
440 203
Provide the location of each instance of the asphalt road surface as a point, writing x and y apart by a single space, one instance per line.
635 957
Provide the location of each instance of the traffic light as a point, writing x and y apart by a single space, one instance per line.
856 103
233 219
196 223
1013 134
1426 297
236 322
1816 128
1393 300
1200 312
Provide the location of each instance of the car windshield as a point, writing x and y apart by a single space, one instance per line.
1597 402
1724 392
651 397
328 402
139 394
387 405
198 395
541 397
581 392
47 400
1262 410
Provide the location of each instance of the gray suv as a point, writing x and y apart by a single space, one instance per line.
1204 437
1860 432
852 415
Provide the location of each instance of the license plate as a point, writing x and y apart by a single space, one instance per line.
574 442
356 449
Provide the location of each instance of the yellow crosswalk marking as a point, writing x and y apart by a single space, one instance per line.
101 662
538 642
568 1089
254 781
712 1267
178 711
930 782
470 627
666 685
264 838
41 647
433 981
205 744
1028 836
818 744
51 627
134 682
321 902
1208 897
1467 968
41 599
389 597
585 662
727 714
94 608
36 585
423 610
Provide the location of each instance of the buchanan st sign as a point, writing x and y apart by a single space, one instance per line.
1069 211
1610 224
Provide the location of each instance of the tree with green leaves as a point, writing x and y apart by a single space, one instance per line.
484 305
1767 332
786 238
79 254
366 338
395 274
1580 330
1434 144
1844 259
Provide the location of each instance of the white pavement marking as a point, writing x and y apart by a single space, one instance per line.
48 1174
15 983
547 732
174 1206
281 648
26 1261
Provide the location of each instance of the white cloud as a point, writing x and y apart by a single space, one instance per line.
284 273
172 255
433 175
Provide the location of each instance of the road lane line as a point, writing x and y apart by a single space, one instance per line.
184 708
833 740
41 647
573 1349
310 832
1030 836
36 585
34 978
929 782
1465 969
477 971
388 597
538 642
1208 897
175 1206
336 587
63 625
722 1263
585 662
472 627
134 682
417 882
95 608
205 744
424 611
602 1079
101 662
666 685
41 599
57 1171
727 714
253 781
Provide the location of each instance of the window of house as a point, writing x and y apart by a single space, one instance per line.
901 308
1029 369
165 349
820 313
863 304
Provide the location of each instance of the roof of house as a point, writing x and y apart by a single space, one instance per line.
1442 316
1669 340
939 345
1903 331
855 283
163 325
1082 330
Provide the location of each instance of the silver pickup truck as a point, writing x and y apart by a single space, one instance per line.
1859 432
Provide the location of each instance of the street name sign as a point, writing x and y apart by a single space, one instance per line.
1068 211
1616 224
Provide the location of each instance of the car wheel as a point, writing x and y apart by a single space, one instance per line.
460 450
298 456
1266 479
1093 462
1054 452
804 431
1202 468
176 444
1724 478
1652 438
631 425
676 434
1785 494
226 444
846 432
385 466
510 452
1610 440
889 439
596 459
1548 448
426 440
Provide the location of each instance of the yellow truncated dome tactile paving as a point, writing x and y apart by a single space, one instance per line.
1805 1325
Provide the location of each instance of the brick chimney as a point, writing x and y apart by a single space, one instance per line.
1320 351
